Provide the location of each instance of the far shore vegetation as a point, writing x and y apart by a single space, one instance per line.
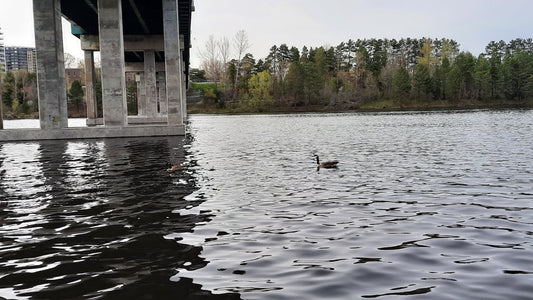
357 75
363 75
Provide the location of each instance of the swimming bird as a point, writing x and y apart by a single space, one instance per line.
328 164
177 168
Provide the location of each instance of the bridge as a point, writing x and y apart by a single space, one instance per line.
147 38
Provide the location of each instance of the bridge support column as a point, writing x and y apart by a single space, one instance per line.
172 61
183 89
163 108
52 92
90 79
150 82
113 66
141 88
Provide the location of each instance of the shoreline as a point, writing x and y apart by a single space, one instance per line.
377 106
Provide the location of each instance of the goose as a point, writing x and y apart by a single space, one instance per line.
327 164
177 168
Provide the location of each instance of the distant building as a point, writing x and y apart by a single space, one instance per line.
2 53
20 58
73 74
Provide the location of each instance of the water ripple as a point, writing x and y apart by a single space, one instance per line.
423 205
418 198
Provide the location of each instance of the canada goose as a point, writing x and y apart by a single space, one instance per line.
327 164
177 168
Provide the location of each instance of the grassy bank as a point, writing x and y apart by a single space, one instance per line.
373 106
379 105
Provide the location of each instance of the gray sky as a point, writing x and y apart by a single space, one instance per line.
472 23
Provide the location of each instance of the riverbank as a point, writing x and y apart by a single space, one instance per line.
373 106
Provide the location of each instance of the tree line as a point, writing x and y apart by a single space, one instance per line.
406 70
19 94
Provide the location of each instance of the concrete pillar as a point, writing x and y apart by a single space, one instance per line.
90 80
51 86
141 87
163 107
172 61
150 83
113 68
183 91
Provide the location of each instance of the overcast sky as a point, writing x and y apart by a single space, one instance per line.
472 23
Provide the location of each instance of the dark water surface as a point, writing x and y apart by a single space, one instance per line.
423 206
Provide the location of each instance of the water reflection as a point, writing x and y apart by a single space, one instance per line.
90 219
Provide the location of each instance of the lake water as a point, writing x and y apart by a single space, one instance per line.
426 205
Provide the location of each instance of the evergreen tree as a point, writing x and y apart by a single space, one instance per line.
8 89
313 82
259 67
465 63
295 81
232 71
402 84
482 78
518 68
421 81
75 94
495 52
376 59
453 85
197 75
440 79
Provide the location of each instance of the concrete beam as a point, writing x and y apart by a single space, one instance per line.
8 135
140 120
131 42
139 67
51 85
113 68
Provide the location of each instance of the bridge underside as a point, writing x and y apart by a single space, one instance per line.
144 41
140 17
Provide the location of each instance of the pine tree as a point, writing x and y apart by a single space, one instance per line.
402 84
75 94
421 80
8 89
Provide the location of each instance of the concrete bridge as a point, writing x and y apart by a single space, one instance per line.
148 37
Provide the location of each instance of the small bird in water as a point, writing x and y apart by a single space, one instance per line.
328 164
177 168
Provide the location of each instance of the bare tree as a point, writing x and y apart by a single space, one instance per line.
211 62
224 48
70 61
241 44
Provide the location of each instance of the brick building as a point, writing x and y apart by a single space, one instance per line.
73 74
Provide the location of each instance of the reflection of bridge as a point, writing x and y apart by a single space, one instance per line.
150 38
